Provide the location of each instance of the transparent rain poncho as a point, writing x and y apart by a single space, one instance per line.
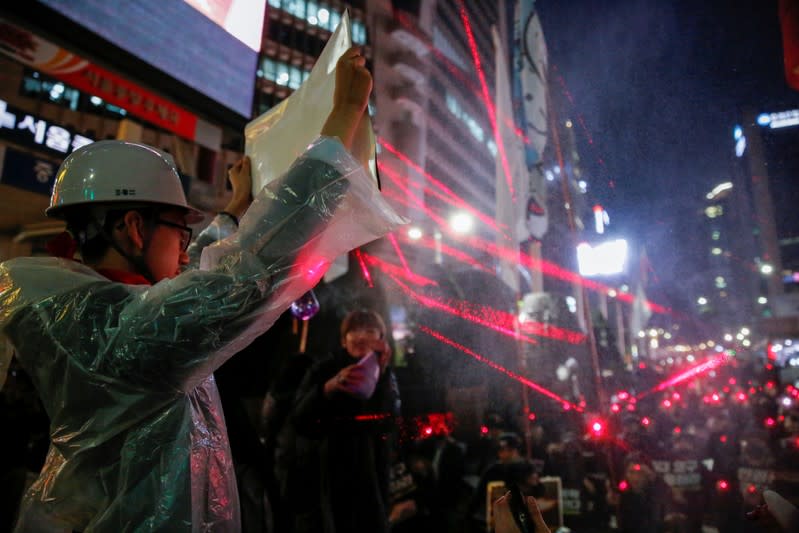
125 371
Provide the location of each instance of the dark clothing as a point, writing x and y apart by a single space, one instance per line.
354 446
644 512
293 459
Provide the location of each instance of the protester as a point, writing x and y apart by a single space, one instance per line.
122 348
351 406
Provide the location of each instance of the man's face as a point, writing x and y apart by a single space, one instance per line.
506 454
169 238
360 341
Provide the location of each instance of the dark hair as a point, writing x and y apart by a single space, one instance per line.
93 248
362 318
510 440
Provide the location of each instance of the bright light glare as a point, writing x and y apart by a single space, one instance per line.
718 189
762 300
604 259
766 269
461 223
701 300
414 233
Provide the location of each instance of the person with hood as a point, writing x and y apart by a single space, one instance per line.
121 348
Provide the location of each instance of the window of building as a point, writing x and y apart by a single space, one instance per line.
282 73
321 15
40 87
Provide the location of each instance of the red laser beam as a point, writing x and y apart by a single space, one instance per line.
365 271
508 254
448 195
393 239
395 271
687 374
460 256
463 313
467 25
500 321
513 375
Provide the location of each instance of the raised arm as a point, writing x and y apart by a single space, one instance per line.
351 97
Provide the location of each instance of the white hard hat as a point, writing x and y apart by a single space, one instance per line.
109 172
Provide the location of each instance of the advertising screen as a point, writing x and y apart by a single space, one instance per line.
208 45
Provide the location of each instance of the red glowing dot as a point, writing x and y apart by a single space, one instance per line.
642 365
666 404
726 389
566 407
796 442
645 421
741 397
715 397
770 422
677 430
769 367
731 381
722 484
752 390
428 430
615 408
623 395
531 416
751 489
623 485
636 467
770 385
484 430
630 407
676 396
781 418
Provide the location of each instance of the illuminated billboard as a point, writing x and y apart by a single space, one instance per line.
209 46
604 259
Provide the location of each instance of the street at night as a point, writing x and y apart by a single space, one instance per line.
372 266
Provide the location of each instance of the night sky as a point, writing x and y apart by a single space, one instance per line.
659 86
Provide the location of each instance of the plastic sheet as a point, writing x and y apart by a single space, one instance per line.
125 372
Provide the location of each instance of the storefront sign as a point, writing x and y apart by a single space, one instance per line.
79 73
24 171
30 130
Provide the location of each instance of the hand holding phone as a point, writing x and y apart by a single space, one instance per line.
518 508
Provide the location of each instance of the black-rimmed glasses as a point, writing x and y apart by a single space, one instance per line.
185 232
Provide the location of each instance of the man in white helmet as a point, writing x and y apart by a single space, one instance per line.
122 346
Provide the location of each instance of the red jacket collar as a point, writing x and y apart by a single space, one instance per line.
123 276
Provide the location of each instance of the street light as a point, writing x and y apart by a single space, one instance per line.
766 269
414 233
701 300
461 223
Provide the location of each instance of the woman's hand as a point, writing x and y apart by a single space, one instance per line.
240 176
346 380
